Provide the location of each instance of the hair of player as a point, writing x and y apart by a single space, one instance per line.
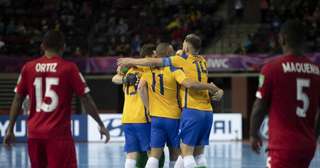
162 49
195 41
147 50
293 31
53 40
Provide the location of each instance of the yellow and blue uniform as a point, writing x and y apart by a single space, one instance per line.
196 119
135 119
163 95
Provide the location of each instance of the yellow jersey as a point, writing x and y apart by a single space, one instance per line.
133 109
195 68
163 91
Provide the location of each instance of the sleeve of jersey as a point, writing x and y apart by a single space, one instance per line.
78 82
171 61
265 84
179 76
21 87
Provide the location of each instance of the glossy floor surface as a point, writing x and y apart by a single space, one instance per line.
98 155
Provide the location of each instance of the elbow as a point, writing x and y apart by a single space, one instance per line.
188 84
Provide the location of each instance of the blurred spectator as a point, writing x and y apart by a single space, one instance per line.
122 47
2 26
11 28
238 7
135 45
2 44
248 44
122 27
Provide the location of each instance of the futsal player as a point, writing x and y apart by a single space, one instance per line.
50 82
289 93
135 118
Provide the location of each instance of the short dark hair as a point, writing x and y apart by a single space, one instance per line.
147 50
53 40
162 49
194 40
293 30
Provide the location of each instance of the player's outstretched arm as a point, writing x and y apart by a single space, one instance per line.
259 111
188 83
14 111
143 92
140 62
92 110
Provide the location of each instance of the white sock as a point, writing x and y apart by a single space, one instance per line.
201 160
152 163
189 162
179 162
171 164
130 163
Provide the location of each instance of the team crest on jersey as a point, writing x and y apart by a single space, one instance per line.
261 80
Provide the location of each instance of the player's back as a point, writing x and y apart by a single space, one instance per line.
133 109
294 91
195 68
50 84
163 91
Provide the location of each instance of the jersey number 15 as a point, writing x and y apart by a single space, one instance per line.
49 92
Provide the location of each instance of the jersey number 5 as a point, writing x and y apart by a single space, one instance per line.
302 96
43 106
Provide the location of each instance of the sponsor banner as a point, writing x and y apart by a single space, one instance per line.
215 62
112 122
78 127
224 127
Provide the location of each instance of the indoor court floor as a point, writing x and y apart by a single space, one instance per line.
99 155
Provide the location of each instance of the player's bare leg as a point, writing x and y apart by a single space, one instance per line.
187 154
131 160
174 154
199 156
154 156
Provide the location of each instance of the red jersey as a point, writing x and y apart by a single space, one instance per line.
291 85
50 84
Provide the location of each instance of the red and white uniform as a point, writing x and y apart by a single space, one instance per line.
50 84
291 85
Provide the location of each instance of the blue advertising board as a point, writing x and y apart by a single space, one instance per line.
79 127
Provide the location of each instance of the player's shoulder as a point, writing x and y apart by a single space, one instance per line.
182 56
272 63
173 68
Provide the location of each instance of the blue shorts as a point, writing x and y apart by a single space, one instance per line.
137 137
164 130
195 127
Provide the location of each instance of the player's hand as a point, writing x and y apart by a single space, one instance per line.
256 144
217 96
179 52
125 62
104 132
8 139
119 70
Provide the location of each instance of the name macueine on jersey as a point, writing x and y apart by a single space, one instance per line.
299 67
50 84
